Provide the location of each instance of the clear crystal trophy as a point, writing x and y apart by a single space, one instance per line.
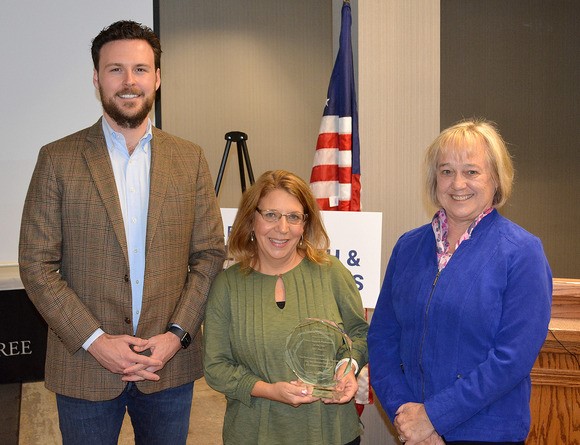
313 350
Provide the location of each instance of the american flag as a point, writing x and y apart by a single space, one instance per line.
335 177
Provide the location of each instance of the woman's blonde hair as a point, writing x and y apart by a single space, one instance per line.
315 242
466 136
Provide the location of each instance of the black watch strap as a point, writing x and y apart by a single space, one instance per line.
183 336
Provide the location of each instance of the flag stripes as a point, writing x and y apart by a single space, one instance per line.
335 176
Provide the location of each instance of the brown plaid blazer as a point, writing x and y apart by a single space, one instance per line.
74 264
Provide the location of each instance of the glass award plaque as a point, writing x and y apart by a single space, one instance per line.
313 350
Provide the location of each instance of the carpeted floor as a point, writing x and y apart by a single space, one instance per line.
37 422
9 413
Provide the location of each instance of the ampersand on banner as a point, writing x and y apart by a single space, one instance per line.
352 259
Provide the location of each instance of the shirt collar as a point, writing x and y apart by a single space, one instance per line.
116 140
440 229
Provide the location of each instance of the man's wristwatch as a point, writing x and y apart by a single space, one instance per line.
183 336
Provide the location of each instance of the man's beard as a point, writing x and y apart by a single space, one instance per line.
120 114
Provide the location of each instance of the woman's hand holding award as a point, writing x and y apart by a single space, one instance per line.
313 350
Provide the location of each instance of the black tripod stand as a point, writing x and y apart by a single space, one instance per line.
240 139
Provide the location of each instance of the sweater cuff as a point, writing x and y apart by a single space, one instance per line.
244 391
344 360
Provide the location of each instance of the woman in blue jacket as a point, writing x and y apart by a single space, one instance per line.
465 304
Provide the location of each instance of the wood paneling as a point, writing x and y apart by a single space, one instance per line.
555 401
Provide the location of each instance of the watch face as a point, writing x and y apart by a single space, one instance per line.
186 340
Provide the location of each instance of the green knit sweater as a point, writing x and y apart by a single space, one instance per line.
245 340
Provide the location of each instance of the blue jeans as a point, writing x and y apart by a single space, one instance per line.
158 419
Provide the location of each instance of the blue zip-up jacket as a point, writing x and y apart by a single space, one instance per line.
463 341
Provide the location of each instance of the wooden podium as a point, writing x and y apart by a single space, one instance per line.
555 401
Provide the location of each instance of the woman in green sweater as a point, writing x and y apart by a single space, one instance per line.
283 275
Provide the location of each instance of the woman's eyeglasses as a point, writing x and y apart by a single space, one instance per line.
293 218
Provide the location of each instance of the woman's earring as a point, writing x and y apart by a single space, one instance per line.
301 240
252 236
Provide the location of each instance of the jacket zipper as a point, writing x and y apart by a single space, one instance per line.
425 334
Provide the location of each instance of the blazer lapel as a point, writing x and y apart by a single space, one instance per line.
101 170
159 174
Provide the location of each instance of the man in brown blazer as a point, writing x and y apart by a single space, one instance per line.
120 240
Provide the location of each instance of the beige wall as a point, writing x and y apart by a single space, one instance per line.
398 54
261 67
398 75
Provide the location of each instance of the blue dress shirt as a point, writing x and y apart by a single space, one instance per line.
132 178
